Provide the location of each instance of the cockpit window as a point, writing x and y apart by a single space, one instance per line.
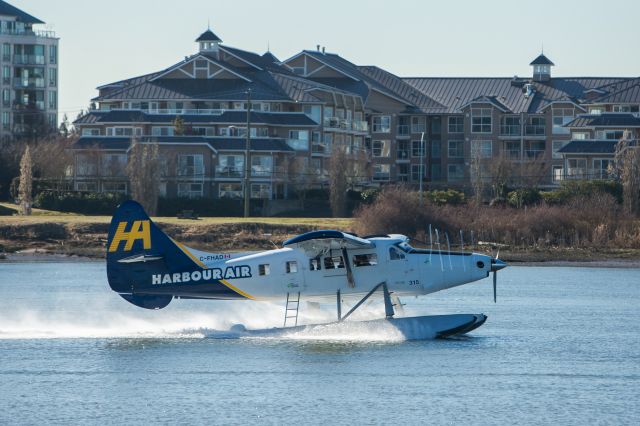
404 246
395 254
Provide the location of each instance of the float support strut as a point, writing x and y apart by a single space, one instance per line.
388 306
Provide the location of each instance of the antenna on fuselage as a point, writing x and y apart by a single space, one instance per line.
439 250
446 234
464 265
430 244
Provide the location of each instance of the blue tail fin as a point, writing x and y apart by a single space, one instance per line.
137 249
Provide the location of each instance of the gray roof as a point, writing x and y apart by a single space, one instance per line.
208 36
20 15
605 120
457 92
217 144
589 147
227 117
624 92
541 60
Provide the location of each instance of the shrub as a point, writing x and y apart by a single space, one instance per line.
442 197
204 206
523 197
92 203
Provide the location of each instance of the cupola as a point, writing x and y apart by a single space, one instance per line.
208 41
541 68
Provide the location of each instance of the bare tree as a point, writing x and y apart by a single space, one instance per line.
501 170
26 182
478 173
338 180
627 161
143 170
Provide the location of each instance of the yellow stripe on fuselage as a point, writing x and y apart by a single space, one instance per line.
202 265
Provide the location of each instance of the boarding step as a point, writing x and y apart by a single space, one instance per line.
292 308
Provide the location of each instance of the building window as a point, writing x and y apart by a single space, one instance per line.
86 165
436 125
418 124
230 190
456 172
610 135
6 52
190 165
114 187
53 77
53 54
602 168
6 120
580 136
264 269
536 126
634 109
190 190
261 190
314 112
299 140
402 150
556 146
436 172
456 124
53 100
261 165
162 131
481 149
557 173
403 172
86 186
418 149
510 125
381 172
456 149
114 165
416 172
6 75
436 149
292 267
382 124
481 120
124 131
561 116
381 148
6 97
577 168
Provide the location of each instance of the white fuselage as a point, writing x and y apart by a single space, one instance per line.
275 273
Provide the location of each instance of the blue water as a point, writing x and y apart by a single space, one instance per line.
562 346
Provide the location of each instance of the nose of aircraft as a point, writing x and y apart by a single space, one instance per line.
497 264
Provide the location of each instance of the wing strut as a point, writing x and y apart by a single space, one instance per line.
388 306
347 264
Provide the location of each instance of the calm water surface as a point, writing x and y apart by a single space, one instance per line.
562 346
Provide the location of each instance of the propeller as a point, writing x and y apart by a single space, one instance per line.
496 265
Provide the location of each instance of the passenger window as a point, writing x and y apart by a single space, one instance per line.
395 254
263 269
292 267
335 262
369 259
314 264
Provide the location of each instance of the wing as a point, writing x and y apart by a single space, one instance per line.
322 241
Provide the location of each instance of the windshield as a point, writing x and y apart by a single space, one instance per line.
404 246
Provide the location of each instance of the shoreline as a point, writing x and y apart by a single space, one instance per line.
43 256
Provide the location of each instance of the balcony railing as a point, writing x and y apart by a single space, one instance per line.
534 153
29 83
510 130
534 130
185 111
191 171
28 32
28 60
513 154
298 144
343 124
230 172
403 130
402 154
320 148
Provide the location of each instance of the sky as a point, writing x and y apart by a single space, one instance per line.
105 41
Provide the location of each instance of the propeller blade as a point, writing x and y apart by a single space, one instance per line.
495 285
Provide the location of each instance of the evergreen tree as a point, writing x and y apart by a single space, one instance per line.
178 126
26 182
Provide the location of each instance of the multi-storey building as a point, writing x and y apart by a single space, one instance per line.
29 60
412 129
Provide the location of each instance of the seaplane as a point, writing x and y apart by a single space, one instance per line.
149 269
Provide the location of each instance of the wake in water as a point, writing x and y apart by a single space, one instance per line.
192 321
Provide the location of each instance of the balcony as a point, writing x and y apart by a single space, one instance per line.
320 148
510 130
27 32
512 154
191 171
29 83
298 144
532 154
234 172
28 60
402 130
402 154
534 130
184 111
19 106
331 122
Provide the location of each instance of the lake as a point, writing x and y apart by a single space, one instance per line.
561 346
